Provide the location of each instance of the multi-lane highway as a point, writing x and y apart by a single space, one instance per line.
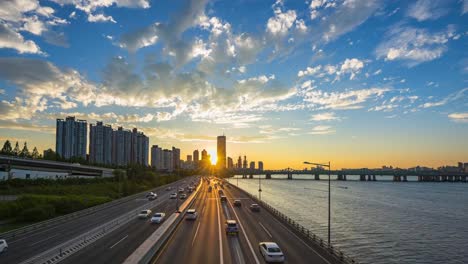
205 240
23 247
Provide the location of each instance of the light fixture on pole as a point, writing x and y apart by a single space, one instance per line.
329 193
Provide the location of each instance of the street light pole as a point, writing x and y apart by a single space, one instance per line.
259 187
329 194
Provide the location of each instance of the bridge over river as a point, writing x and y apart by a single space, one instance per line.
397 175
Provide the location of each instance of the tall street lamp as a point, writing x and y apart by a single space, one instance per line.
259 187
329 193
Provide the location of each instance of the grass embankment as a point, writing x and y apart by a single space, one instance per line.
42 199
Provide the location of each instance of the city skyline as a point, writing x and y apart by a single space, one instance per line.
289 80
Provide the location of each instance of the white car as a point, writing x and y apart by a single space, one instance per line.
152 196
191 214
173 196
271 252
144 214
158 218
3 245
181 190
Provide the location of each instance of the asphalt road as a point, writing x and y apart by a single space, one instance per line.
205 241
26 246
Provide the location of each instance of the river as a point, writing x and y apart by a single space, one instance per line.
377 222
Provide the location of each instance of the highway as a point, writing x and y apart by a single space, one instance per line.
30 244
205 241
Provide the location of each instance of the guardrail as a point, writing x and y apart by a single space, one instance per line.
57 220
60 252
335 253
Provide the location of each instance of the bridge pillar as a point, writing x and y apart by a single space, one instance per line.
396 178
362 177
457 178
373 178
450 178
317 177
405 179
463 178
344 177
369 177
290 176
251 176
340 177
268 176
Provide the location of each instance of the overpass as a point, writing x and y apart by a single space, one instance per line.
9 163
397 175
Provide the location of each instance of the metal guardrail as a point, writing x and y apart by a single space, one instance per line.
57 220
335 253
60 252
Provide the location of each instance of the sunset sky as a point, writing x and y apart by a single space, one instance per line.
360 83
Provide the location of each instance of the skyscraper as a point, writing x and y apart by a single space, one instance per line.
221 153
239 162
252 165
189 158
260 165
168 160
129 147
196 156
100 143
244 165
71 138
230 163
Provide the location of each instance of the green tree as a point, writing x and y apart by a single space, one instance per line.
35 154
50 155
16 151
7 150
25 151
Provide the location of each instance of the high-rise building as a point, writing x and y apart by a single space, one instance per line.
221 152
244 165
100 143
71 137
239 162
129 147
139 148
230 163
252 165
168 160
196 156
176 158
157 157
189 158
260 165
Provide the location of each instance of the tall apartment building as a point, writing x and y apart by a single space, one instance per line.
252 165
168 160
71 138
157 157
100 143
239 162
176 158
260 165
129 147
196 156
244 164
230 163
221 152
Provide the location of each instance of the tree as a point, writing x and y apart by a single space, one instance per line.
35 153
7 150
16 151
50 155
25 151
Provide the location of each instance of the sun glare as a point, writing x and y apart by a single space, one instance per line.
213 157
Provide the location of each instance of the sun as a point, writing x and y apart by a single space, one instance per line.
213 157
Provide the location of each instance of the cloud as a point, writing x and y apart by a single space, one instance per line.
326 116
465 7
309 71
27 126
351 66
352 99
459 117
423 10
14 40
322 130
414 45
280 24
450 98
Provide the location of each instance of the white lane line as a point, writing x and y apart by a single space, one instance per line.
42 240
196 232
266 231
221 257
243 232
118 242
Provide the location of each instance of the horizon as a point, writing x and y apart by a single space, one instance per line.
357 83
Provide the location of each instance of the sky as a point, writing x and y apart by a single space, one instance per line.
358 83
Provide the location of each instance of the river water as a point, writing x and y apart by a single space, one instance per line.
377 222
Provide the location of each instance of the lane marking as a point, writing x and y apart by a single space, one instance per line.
243 232
118 242
196 232
43 240
264 228
221 257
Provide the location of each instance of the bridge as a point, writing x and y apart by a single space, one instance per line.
9 163
397 175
